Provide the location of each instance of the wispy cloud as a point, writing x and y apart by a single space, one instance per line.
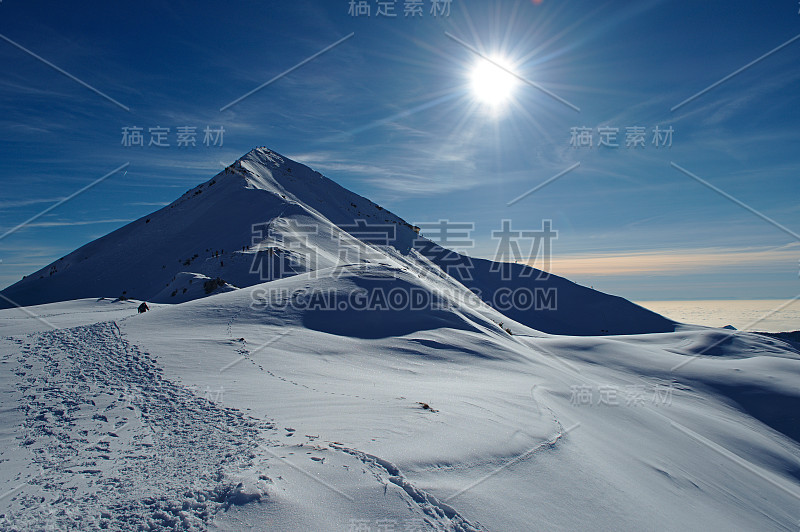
70 223
392 176
149 203
673 261
10 204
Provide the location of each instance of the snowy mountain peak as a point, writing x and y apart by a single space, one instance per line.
294 182
265 169
266 217
212 231
269 158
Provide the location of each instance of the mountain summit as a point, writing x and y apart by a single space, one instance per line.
267 217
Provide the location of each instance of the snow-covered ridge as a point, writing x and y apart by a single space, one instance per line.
266 217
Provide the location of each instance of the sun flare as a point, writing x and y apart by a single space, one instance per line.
491 84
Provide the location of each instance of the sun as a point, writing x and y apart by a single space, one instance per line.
493 83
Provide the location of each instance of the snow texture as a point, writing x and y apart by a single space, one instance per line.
251 403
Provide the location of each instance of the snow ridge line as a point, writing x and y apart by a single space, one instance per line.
546 444
442 513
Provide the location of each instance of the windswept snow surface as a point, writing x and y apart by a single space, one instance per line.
319 399
223 413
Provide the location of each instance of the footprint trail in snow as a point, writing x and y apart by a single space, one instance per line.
105 430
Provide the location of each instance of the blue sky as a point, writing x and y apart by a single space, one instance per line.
391 114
